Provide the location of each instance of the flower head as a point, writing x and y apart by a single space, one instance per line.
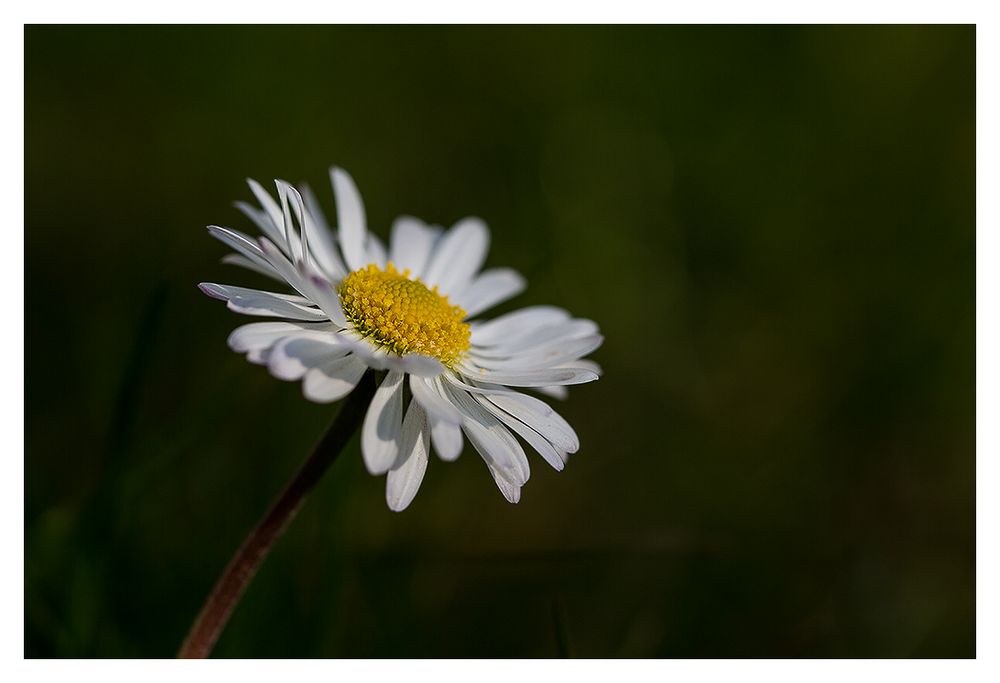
409 312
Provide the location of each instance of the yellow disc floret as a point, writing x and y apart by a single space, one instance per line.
403 315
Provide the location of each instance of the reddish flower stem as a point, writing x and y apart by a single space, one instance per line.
241 569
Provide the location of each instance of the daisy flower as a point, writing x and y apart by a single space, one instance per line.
409 311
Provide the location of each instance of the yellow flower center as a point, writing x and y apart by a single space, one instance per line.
403 315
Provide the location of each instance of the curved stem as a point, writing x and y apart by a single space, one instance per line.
242 568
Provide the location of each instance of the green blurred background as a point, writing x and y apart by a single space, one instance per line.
773 226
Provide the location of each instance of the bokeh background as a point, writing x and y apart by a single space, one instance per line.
774 227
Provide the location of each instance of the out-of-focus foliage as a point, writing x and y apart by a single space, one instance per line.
773 226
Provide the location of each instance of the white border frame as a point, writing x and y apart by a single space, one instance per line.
514 11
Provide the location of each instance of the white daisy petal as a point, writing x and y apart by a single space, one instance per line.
378 358
534 439
334 380
280 263
261 219
541 377
274 308
534 412
547 356
539 416
375 357
258 302
322 239
437 407
273 225
587 364
411 244
490 288
376 251
245 246
458 256
447 439
419 365
259 356
443 417
264 335
383 421
516 323
293 356
298 241
530 339
244 262
350 219
407 473
491 438
314 208
326 298
227 292
556 392
309 283
510 490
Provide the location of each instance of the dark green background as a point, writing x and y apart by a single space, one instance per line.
773 226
